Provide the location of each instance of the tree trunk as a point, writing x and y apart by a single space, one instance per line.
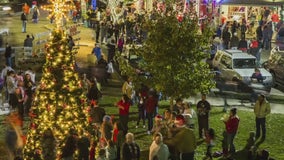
171 103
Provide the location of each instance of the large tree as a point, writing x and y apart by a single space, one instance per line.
174 52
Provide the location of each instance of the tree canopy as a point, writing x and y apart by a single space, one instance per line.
174 52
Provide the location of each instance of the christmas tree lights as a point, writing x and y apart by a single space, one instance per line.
59 106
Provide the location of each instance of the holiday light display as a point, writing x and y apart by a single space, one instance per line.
59 106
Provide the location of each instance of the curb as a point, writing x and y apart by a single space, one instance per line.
246 96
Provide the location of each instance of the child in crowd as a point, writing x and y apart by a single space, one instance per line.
158 126
250 141
102 155
92 152
111 150
209 139
141 110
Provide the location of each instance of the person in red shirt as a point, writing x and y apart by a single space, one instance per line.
275 20
124 105
150 106
232 124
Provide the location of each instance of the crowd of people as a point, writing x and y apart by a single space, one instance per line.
246 37
172 130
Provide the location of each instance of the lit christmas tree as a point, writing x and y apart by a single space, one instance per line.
59 106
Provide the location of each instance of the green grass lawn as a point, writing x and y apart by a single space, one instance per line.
273 143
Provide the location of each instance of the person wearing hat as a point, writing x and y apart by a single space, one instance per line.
261 110
184 141
159 126
106 128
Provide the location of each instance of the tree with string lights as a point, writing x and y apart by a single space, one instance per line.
59 106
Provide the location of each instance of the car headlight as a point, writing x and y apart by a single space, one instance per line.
7 8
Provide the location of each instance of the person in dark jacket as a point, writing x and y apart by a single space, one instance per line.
8 55
69 148
111 50
267 36
243 30
259 34
11 140
243 45
234 41
24 22
130 149
226 36
203 109
97 113
83 147
234 27
28 42
93 93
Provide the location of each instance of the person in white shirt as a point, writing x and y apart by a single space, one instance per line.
189 114
158 150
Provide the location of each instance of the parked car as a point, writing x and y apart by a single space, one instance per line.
238 67
275 65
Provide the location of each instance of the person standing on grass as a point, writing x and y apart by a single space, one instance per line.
24 20
232 125
124 105
130 149
151 104
261 110
8 55
97 51
127 88
141 111
203 109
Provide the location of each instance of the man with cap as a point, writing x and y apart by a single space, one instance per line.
184 140
261 110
